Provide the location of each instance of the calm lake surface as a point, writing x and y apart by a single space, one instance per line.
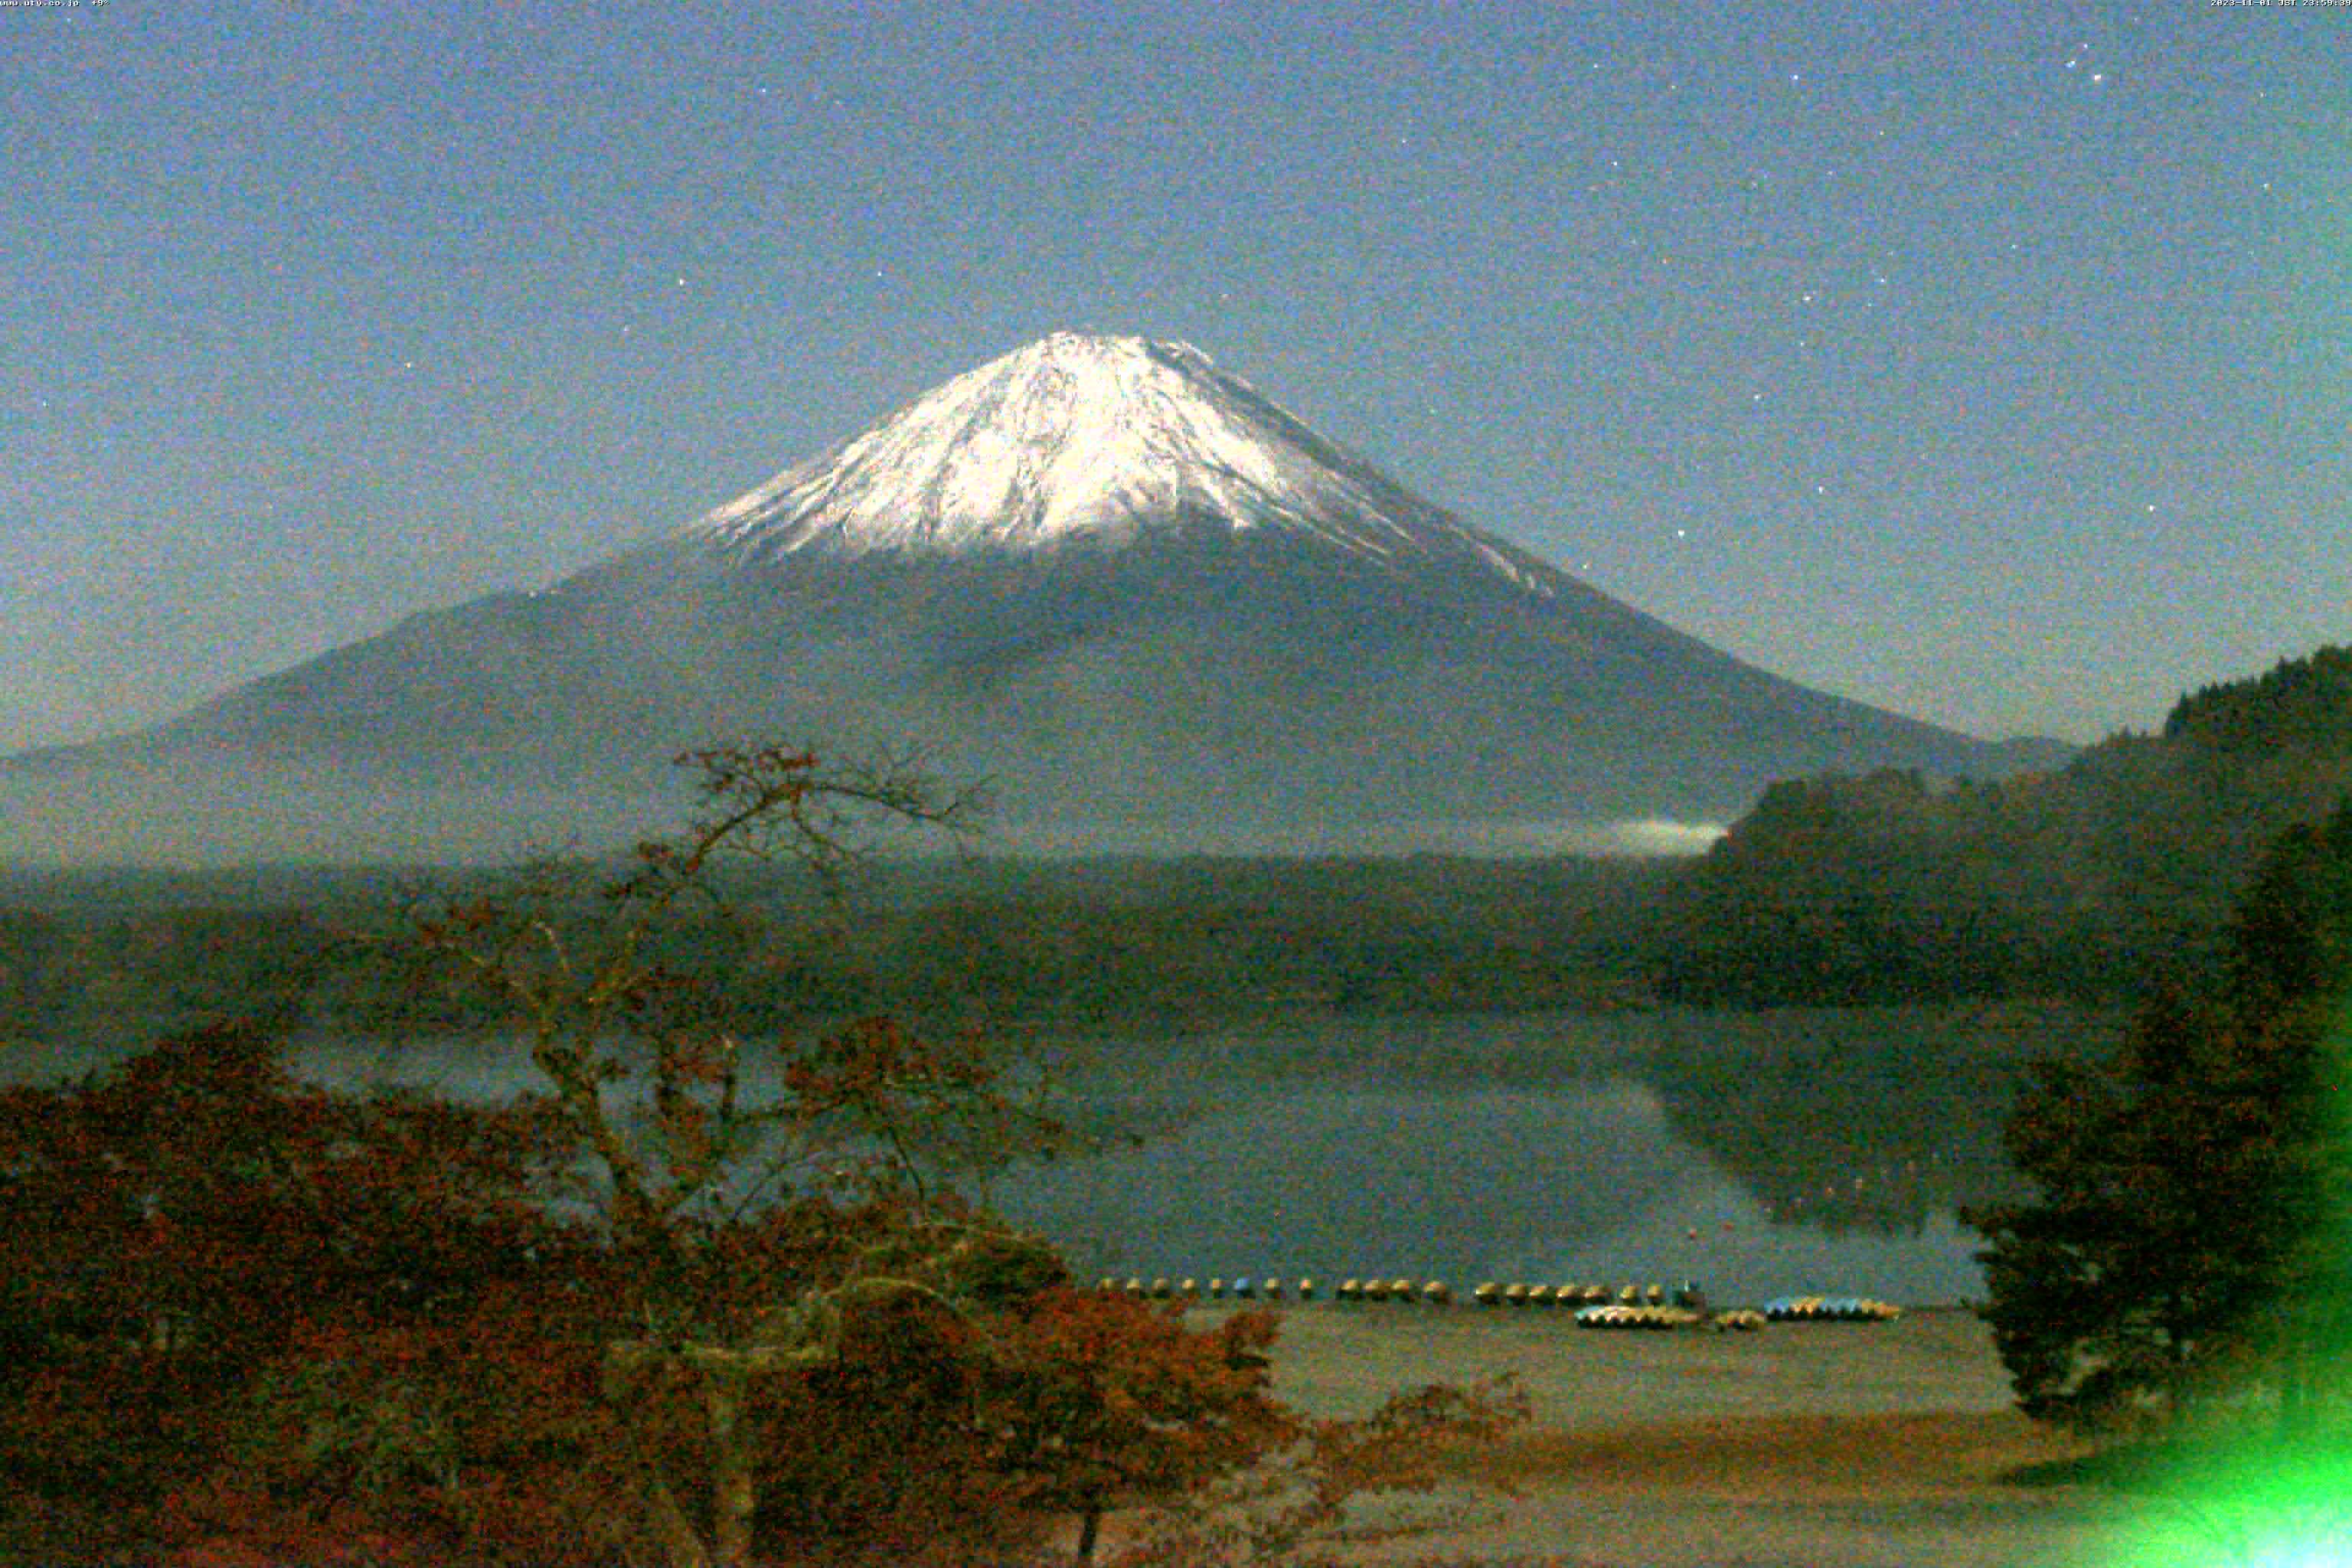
1756 1154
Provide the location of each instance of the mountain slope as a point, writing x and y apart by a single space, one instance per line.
1147 603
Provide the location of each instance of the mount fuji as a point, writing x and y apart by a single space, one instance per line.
1150 607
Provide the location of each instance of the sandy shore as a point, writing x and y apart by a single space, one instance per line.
1332 1360
1824 1446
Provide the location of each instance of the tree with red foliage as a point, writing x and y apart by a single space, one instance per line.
174 1231
1297 1497
1101 1401
943 1440
747 1228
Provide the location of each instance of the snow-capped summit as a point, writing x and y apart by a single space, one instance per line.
1102 438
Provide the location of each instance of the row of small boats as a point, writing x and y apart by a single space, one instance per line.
1830 1310
1594 1306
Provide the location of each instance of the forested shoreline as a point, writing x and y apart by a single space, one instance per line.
2085 884
1167 946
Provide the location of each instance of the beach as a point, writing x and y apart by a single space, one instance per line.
1859 1445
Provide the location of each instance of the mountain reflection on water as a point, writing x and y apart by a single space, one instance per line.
1756 1154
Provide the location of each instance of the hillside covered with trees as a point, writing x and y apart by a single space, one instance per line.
2119 868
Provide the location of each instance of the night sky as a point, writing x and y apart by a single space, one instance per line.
1991 364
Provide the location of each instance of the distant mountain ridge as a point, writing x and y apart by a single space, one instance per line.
1150 606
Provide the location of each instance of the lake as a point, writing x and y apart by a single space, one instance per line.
1757 1155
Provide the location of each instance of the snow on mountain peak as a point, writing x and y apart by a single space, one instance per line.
1096 437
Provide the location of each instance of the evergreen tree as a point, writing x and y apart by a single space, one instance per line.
2190 1237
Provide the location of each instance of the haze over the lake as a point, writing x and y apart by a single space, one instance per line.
1989 366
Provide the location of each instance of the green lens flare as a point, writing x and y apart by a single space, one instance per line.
2254 1484
2261 1508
